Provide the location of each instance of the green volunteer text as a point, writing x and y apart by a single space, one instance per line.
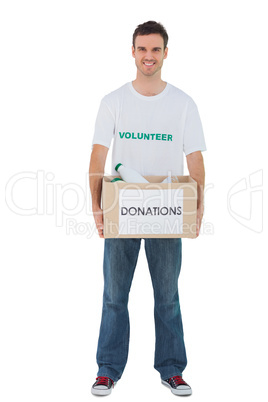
144 136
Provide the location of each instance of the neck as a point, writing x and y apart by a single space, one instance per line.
148 85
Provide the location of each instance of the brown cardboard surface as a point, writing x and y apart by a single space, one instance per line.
110 205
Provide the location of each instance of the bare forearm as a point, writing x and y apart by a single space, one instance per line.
199 177
95 181
197 172
96 173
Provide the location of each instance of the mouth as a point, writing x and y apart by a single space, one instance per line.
149 64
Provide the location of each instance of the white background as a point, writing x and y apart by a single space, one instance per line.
58 59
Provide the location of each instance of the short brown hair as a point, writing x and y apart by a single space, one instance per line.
150 27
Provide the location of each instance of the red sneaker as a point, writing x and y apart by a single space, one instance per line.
103 386
177 385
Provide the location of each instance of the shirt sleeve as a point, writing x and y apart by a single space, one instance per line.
104 126
193 138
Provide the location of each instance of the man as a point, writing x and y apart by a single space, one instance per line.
146 105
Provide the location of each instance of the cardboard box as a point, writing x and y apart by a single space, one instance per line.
151 209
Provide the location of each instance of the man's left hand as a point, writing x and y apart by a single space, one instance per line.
199 217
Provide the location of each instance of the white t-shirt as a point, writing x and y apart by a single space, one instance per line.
150 133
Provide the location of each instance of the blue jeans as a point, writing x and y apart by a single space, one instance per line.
164 261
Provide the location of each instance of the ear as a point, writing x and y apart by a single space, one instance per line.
133 51
165 53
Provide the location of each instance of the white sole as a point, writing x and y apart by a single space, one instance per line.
178 391
101 392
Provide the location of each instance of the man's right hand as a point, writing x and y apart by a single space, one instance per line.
98 216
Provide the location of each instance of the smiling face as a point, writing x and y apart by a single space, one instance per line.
149 53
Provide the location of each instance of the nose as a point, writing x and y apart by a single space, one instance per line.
149 55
